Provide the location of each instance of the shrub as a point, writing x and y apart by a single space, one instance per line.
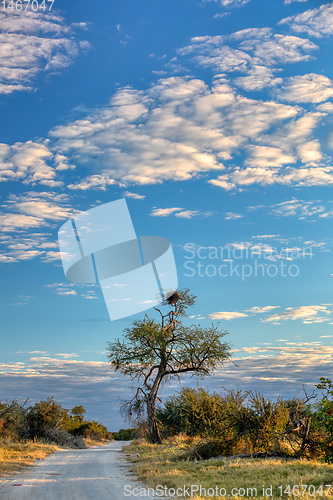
236 420
323 418
125 434
63 438
44 415
13 423
267 420
93 430
193 412
48 420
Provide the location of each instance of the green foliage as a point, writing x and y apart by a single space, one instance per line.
13 424
145 345
232 419
93 430
294 427
125 434
193 412
48 421
263 420
78 413
44 415
154 352
324 416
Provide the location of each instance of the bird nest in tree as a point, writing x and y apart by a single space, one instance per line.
172 299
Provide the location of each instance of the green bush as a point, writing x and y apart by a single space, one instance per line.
93 430
323 418
13 423
44 415
193 412
125 434
267 420
48 421
233 422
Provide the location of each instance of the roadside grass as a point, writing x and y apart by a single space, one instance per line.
95 442
15 456
164 465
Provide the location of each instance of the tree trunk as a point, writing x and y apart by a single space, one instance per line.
306 434
152 423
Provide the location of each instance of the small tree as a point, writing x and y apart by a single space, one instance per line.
156 351
44 415
13 419
78 413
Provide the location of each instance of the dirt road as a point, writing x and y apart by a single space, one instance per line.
98 473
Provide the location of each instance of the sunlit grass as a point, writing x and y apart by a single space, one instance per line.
161 465
14 456
95 442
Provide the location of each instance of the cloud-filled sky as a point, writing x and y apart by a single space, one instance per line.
214 119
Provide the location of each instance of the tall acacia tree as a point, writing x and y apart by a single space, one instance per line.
154 351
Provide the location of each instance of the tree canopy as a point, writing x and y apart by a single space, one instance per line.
153 351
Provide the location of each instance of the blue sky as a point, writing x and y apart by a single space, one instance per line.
214 120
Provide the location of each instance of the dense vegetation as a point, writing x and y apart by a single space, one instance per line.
125 434
47 421
167 465
240 422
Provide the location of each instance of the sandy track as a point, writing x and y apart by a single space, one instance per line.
98 473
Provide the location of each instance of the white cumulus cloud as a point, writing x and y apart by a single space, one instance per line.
34 42
312 88
314 22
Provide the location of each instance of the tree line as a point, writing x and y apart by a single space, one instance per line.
48 421
245 422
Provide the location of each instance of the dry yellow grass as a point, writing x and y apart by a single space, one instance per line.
95 442
160 465
14 456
